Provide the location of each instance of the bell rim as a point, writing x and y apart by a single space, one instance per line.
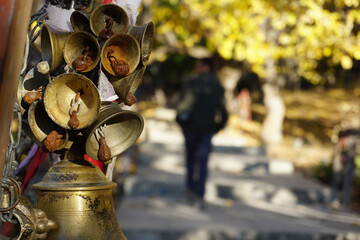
105 62
63 124
91 132
104 6
73 187
93 40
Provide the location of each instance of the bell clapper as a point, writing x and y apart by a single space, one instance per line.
53 141
130 99
74 111
83 62
120 67
34 95
104 153
107 32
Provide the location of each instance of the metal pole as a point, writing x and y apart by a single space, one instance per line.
14 20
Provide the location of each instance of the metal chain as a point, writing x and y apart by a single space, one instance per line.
10 190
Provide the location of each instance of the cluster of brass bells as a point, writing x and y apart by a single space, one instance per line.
65 105
63 112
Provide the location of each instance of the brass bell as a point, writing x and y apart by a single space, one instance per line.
80 22
139 73
128 84
87 8
33 80
52 45
78 198
123 85
120 49
145 36
82 48
41 125
121 129
71 92
100 15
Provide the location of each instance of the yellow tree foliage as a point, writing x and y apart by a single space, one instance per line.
305 31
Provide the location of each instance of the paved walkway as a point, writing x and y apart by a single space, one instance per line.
249 197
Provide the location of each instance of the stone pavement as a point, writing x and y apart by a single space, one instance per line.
249 197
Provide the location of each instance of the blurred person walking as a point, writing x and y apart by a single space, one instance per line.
201 113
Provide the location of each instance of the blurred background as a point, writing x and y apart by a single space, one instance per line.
287 164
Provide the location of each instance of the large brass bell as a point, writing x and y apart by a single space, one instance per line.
120 49
145 36
78 198
52 44
41 125
71 92
100 16
80 22
82 51
121 129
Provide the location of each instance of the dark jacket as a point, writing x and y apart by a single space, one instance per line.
202 105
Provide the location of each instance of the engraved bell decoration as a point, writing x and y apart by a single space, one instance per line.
78 198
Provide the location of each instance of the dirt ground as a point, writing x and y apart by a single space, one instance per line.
312 121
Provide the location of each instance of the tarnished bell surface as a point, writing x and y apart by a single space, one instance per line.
102 12
33 80
52 44
80 22
124 47
127 84
75 45
145 36
34 223
139 73
122 129
41 125
78 198
89 8
122 85
60 95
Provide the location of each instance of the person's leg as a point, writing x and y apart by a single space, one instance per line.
202 156
190 148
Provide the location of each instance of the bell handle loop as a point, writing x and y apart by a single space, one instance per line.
17 196
99 132
75 105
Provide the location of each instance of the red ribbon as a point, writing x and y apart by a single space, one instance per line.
33 166
106 1
94 162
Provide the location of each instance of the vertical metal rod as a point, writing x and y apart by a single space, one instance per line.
14 20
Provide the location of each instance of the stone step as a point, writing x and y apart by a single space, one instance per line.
176 219
275 189
225 159
230 235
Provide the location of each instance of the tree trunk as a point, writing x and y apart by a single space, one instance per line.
229 76
275 111
275 108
